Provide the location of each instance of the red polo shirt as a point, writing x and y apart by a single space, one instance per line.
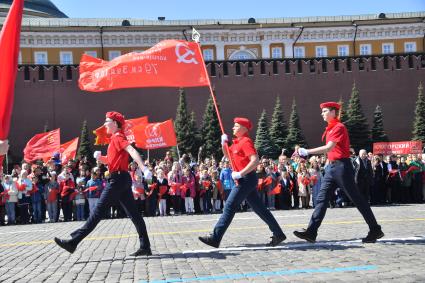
339 135
240 151
117 156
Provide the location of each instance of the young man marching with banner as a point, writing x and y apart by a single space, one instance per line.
118 188
245 158
338 173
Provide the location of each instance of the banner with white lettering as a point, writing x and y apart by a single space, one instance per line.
404 147
170 63
155 135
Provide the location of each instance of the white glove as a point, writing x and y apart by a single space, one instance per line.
302 151
4 146
236 175
97 154
224 139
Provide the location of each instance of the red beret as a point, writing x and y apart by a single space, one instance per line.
243 122
116 116
335 105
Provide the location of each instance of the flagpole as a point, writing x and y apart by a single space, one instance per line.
148 156
178 151
195 37
7 164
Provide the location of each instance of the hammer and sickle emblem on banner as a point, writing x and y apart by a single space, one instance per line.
50 139
183 57
153 131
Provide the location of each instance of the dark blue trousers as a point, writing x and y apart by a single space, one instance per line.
246 189
117 189
340 174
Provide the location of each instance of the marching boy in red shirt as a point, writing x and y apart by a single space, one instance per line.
339 173
245 159
117 188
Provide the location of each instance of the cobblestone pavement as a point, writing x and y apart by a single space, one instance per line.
28 254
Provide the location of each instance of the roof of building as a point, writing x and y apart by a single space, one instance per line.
111 22
34 9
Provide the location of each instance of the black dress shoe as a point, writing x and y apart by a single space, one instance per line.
141 252
209 240
305 235
276 240
66 245
373 235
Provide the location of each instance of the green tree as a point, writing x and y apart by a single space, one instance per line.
419 121
357 126
278 128
211 132
378 133
343 112
85 148
197 136
295 135
182 127
263 142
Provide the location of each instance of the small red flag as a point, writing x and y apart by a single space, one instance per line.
170 63
276 190
68 150
102 137
155 135
42 146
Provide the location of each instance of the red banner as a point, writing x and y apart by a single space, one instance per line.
102 137
170 63
68 150
155 135
9 52
42 146
405 147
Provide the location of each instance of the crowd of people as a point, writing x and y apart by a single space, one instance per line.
51 191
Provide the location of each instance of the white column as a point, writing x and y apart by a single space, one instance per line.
288 48
220 51
265 50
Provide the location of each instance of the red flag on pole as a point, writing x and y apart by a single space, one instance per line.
42 146
68 150
9 53
155 135
102 137
170 63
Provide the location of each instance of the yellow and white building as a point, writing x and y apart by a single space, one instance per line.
62 41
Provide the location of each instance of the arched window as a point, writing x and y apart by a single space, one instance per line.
242 55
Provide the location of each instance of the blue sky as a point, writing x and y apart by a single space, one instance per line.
235 9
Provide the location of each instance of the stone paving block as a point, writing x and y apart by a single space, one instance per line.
181 255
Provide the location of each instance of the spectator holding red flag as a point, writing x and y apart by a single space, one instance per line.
205 193
245 158
138 188
188 191
94 188
67 193
118 187
303 185
175 181
51 192
37 193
